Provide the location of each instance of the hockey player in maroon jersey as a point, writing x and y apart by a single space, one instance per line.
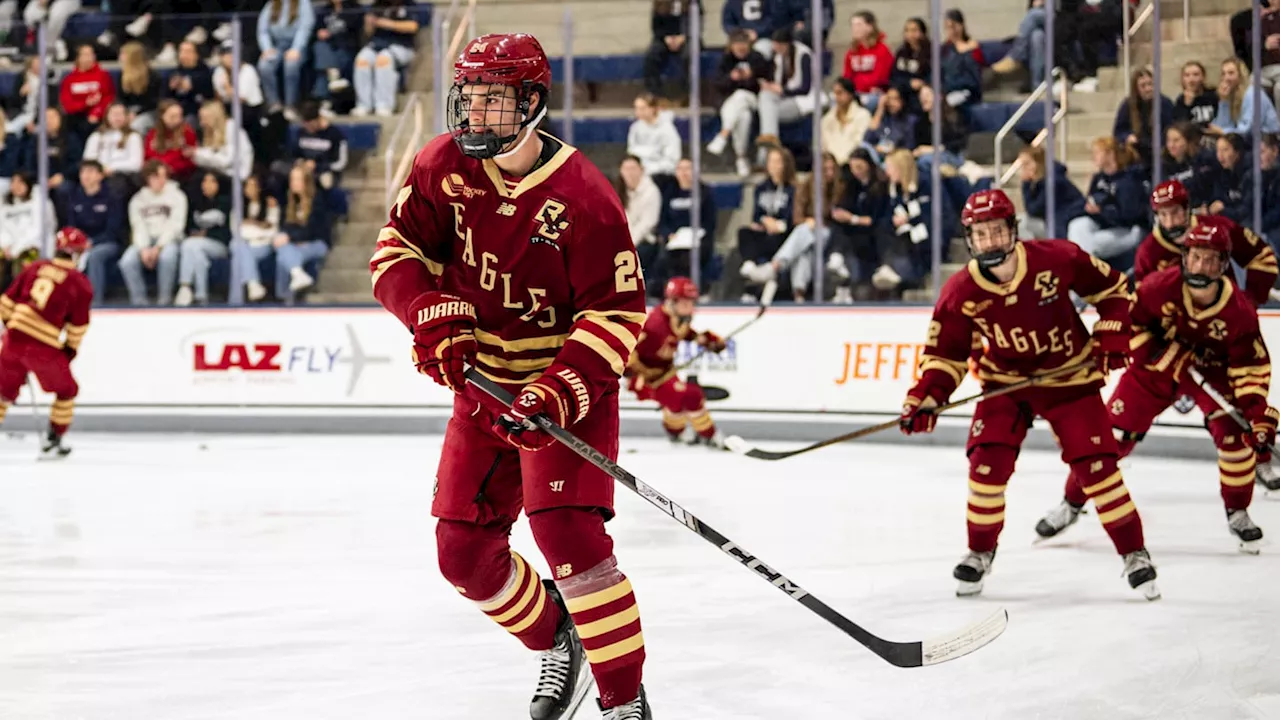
1018 296
508 251
1192 316
48 297
651 368
1163 247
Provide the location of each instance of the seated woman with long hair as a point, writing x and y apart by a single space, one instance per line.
258 228
306 231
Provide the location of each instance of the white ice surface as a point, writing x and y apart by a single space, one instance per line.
280 578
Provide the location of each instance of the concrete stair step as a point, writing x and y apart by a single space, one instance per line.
1203 27
1200 8
1091 125
1208 51
344 279
363 234
351 255
341 298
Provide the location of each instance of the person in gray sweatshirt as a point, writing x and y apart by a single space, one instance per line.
20 237
158 216
653 138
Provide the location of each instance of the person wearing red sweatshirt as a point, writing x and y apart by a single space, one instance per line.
172 141
87 91
869 61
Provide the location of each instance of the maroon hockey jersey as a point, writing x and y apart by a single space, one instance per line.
46 298
1249 251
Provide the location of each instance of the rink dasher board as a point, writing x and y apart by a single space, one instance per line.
795 375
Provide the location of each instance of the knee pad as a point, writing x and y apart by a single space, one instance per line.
694 399
475 559
991 465
1097 474
573 540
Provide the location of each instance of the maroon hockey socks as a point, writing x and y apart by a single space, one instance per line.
1236 470
61 414
523 607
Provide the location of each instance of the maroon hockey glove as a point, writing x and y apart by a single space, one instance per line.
560 394
1263 435
1110 346
711 341
70 352
443 337
918 411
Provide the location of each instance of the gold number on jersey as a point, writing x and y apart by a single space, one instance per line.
935 329
41 289
488 276
625 275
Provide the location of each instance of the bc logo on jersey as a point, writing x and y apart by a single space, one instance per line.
551 223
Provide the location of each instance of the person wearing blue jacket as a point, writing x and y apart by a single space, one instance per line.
1270 228
759 18
675 231
306 232
1229 180
1068 202
100 215
284 33
774 211
1134 118
796 14
905 251
1235 103
1115 206
859 217
1189 162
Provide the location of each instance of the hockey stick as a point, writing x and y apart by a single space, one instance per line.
766 299
1230 410
906 655
742 447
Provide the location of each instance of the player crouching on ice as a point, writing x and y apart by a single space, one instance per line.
1193 316
1018 297
46 298
652 371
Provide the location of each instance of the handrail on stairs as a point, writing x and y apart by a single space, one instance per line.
394 174
1138 22
1032 100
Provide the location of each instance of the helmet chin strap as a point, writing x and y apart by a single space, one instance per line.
508 153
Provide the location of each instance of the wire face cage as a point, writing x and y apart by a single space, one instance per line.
484 118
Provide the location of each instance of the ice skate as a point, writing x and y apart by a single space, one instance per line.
52 448
1249 535
715 442
1057 520
1141 574
637 709
1267 477
971 571
565 675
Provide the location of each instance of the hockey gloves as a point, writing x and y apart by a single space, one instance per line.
443 337
711 341
918 412
1110 346
1263 436
560 395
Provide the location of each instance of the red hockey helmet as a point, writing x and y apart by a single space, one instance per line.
1169 195
1213 236
680 288
987 206
72 241
511 60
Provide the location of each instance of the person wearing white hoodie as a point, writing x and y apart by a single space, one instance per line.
642 201
20 237
217 142
117 147
653 138
158 216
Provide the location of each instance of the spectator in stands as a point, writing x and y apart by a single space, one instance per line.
844 127
334 50
1068 203
1271 52
172 141
652 137
21 240
1227 188
1241 28
913 65
22 107
759 19
893 125
771 216
258 228
11 147
1189 162
85 93
217 151
157 216
796 14
54 15
1115 206
1134 118
389 35
1028 45
670 25
955 134
860 215
1235 103
306 233
738 80
118 148
868 61
191 82
905 254
962 63
284 31
1270 227
675 230
63 151
100 215
642 200
208 235
249 86
1196 103
1080 28
785 94
140 87
797 252
321 145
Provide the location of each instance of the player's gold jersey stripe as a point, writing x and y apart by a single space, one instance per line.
26 319
1139 339
606 315
1119 289
1260 370
954 368
626 337
516 365
502 379
1251 390
391 235
544 342
600 347
598 598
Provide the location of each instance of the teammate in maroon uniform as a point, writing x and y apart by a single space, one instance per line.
1018 296
1163 247
49 296
651 368
1192 316
507 250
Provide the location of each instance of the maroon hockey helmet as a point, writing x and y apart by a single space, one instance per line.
497 62
72 241
680 288
1210 235
1171 194
987 206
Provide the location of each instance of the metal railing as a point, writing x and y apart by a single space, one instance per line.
395 173
1132 29
1035 98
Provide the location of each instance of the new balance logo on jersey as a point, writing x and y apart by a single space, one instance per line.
446 309
579 389
506 209
564 571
